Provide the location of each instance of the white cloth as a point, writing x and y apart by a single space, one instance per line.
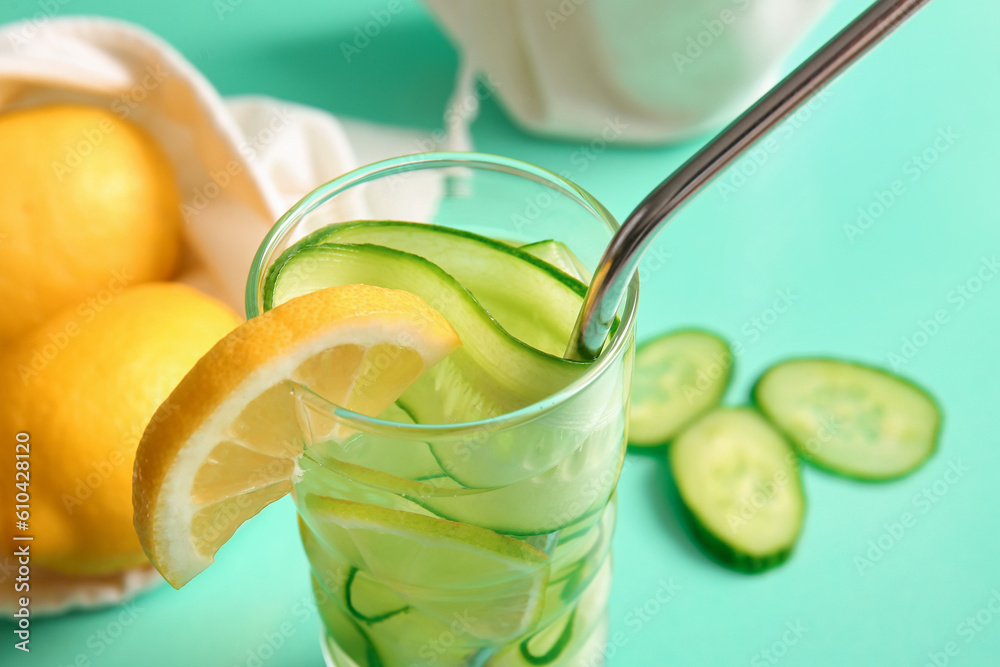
240 164
638 71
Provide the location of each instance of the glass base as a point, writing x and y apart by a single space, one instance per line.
586 649
590 654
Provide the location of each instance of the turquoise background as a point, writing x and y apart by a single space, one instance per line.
719 265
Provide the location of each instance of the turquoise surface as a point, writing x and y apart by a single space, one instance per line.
931 593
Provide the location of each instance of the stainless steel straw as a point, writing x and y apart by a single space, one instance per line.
627 247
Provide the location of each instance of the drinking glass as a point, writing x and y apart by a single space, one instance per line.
477 543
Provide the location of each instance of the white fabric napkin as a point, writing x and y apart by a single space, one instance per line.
638 71
240 164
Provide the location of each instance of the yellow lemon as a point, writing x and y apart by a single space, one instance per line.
225 444
83 388
87 203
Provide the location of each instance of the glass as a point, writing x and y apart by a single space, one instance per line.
511 565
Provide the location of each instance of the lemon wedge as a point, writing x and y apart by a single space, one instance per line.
224 444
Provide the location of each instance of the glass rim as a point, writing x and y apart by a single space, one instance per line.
444 159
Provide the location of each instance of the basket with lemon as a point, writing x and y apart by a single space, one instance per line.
93 336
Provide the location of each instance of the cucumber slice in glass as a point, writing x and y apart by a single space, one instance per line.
492 374
394 637
851 419
415 638
370 601
576 563
329 477
677 378
440 568
344 636
544 322
544 647
559 497
329 576
739 482
568 640
498 372
557 254
397 639
401 458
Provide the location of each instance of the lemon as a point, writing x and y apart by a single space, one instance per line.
84 387
225 443
88 204
441 568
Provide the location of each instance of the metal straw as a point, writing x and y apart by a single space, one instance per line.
621 259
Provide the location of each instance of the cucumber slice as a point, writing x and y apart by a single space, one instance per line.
568 640
572 573
486 458
561 257
508 374
492 374
375 626
413 638
534 302
564 495
851 419
397 639
401 458
677 378
544 647
594 645
337 479
370 601
739 482
439 567
343 636
367 638
584 541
